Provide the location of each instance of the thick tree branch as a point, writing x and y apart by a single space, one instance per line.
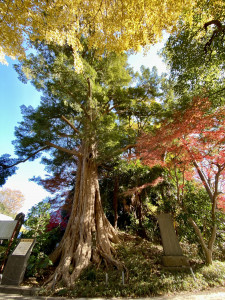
217 92
204 181
89 96
216 192
24 160
61 134
219 28
116 152
89 89
213 22
213 237
72 152
70 124
108 109
198 233
127 147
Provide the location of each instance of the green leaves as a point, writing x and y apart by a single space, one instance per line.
195 55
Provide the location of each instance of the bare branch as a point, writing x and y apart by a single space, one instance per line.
24 160
127 147
139 189
219 28
108 108
217 92
213 22
89 96
72 152
198 233
89 88
121 150
70 124
116 152
61 134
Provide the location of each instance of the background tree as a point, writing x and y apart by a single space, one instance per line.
192 140
201 42
126 196
11 201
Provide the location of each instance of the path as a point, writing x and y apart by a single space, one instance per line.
212 294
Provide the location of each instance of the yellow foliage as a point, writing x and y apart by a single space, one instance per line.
109 25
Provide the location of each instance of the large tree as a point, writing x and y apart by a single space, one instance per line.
82 120
113 174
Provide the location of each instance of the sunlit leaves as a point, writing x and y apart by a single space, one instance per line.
193 139
118 25
195 53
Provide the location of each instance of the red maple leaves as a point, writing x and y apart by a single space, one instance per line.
193 140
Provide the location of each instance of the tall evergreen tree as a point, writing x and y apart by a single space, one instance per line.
82 121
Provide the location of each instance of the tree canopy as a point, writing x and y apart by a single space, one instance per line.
108 25
195 53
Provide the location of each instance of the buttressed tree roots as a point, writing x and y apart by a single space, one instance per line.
89 235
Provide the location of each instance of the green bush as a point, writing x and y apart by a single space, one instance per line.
36 227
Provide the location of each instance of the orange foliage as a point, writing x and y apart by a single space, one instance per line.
194 138
12 200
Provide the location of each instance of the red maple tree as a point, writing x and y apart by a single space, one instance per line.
192 143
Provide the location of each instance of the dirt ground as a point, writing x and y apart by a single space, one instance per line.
211 294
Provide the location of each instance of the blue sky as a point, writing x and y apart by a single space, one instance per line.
13 94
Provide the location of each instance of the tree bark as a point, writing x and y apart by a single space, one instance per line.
213 194
89 235
115 200
208 250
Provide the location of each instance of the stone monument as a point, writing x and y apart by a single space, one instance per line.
173 255
9 230
17 262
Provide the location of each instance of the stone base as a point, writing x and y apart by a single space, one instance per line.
19 290
175 261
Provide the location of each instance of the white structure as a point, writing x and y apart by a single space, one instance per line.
4 217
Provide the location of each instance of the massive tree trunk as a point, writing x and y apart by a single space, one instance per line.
89 234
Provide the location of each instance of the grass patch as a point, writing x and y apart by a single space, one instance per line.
145 275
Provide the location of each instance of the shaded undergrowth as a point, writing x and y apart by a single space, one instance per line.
145 275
